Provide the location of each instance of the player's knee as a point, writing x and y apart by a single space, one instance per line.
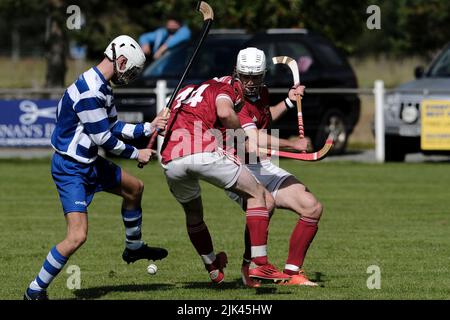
135 194
193 211
270 202
312 209
193 219
259 192
139 188
77 239
315 211
318 210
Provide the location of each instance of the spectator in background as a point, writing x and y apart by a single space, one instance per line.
155 43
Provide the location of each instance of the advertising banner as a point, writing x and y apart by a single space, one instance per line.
27 123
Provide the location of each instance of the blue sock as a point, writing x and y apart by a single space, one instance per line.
53 264
132 219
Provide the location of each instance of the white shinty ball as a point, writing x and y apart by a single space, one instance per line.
152 268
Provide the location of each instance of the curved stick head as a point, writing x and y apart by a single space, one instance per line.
292 64
206 10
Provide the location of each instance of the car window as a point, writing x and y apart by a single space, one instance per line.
329 55
298 52
170 64
214 59
442 67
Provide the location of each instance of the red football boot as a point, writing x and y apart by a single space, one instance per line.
266 272
246 280
216 273
299 279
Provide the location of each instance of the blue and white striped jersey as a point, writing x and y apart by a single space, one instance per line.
87 118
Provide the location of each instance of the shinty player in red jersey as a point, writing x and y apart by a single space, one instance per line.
191 152
288 192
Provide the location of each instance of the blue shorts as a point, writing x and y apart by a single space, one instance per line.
78 182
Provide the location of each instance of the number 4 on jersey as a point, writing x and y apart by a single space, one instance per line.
194 98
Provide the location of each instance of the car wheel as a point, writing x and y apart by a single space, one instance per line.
393 149
333 122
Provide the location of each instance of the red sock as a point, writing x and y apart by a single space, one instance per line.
201 239
302 236
258 227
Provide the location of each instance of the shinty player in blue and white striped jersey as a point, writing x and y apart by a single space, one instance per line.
86 120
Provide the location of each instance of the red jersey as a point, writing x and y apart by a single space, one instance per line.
256 115
193 126
253 115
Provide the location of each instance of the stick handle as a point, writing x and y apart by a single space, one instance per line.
208 17
153 137
301 129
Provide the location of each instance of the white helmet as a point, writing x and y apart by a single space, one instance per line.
251 69
125 46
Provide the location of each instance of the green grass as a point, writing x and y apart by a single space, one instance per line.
395 216
30 72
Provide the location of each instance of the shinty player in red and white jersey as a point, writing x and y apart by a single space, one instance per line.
191 152
288 192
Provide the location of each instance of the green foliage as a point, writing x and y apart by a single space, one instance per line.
424 25
341 21
409 27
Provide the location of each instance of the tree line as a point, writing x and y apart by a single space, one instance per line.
408 27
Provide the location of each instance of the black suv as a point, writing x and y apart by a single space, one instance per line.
321 66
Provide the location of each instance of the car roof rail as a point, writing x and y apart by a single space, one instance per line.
287 30
227 31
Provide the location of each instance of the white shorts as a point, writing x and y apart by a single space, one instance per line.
183 174
268 174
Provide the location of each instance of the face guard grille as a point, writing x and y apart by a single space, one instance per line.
252 83
123 78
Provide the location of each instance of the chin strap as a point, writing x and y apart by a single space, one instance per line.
122 78
113 48
117 74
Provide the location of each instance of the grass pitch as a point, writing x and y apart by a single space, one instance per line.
395 216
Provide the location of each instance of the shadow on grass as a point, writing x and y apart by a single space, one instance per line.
269 287
266 287
268 290
236 284
98 292
348 152
318 278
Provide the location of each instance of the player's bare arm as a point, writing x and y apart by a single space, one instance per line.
260 138
278 110
226 114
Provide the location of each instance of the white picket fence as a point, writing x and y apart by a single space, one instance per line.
162 92
378 92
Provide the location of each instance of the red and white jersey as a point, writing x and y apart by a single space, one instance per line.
256 114
253 115
193 126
